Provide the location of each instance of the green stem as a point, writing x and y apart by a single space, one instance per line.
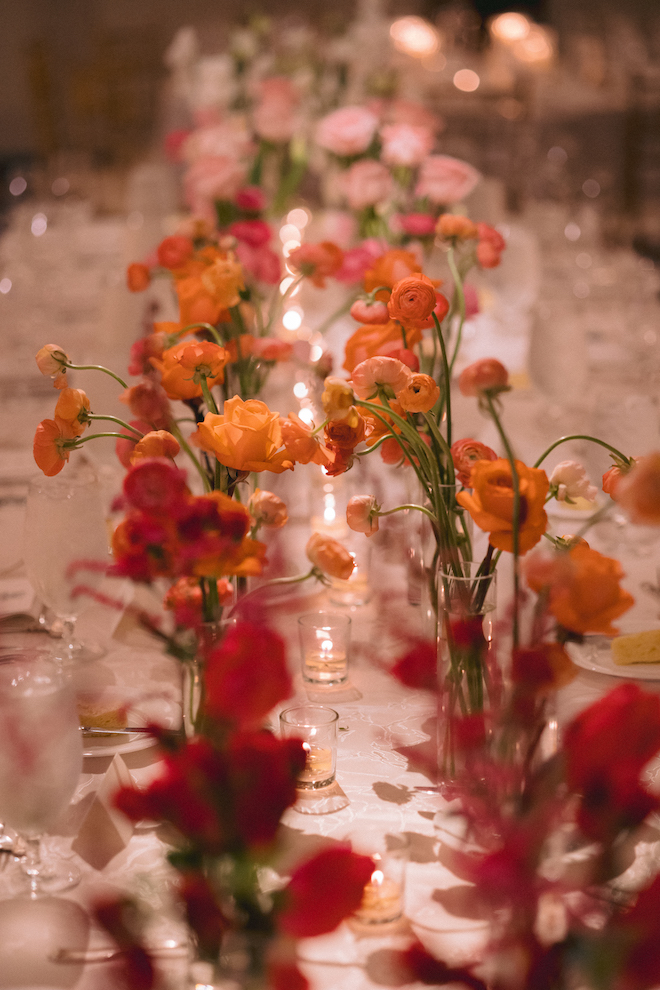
296 579
582 436
203 326
120 422
212 600
208 398
460 295
411 505
96 367
446 375
515 522
186 447
73 445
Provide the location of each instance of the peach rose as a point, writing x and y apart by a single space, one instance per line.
158 443
362 514
329 556
267 509
367 183
347 131
486 375
420 394
465 454
383 371
378 339
454 228
405 144
246 437
138 277
491 503
445 180
412 301
638 492
584 594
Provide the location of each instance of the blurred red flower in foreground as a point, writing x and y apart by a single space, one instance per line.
324 891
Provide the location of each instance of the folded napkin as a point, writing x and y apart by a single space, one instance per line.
105 831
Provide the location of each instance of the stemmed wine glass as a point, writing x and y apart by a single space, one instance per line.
40 763
65 526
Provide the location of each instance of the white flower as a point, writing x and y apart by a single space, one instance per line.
571 481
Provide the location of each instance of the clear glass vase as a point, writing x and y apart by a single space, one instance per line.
241 964
466 664
210 635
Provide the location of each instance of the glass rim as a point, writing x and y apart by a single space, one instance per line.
451 576
337 619
333 716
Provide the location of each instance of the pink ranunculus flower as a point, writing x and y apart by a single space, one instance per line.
446 180
207 179
275 120
228 139
417 224
405 144
358 260
362 514
271 349
379 370
472 306
572 482
252 199
366 183
261 262
256 233
347 131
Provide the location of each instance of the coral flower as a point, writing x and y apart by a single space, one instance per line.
173 252
317 261
246 437
72 410
490 246
52 360
158 443
125 443
412 301
465 454
380 371
138 277
50 449
420 394
584 593
485 375
337 399
301 445
369 312
183 366
638 493
268 509
381 339
389 269
491 503
455 228
148 401
271 349
362 514
329 556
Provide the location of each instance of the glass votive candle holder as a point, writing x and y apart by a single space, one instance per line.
324 646
382 899
317 727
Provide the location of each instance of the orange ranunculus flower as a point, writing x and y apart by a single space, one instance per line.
174 251
138 277
389 269
223 280
377 339
301 445
317 261
491 503
50 449
72 409
329 556
148 401
158 443
246 437
234 551
420 394
451 228
638 491
52 360
196 304
584 593
483 375
412 301
183 366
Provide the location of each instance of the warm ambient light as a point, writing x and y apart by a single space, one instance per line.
466 80
414 36
536 46
510 27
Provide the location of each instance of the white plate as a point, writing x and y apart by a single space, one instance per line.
595 654
125 744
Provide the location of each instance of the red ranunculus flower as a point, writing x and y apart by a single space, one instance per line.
173 252
155 485
323 891
418 668
256 233
202 911
247 675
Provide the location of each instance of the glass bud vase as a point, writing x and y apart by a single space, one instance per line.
210 635
241 964
466 665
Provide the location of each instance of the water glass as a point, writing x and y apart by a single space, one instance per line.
317 727
324 647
